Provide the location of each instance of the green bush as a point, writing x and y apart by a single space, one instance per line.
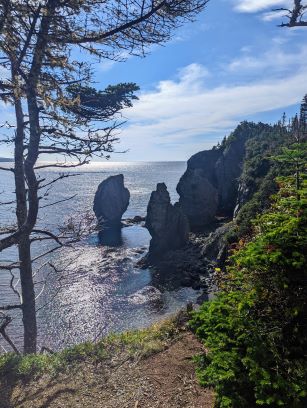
259 172
255 329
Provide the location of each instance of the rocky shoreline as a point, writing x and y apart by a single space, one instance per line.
189 239
195 264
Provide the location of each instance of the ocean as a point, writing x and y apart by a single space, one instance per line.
89 290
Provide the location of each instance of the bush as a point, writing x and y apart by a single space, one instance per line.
255 329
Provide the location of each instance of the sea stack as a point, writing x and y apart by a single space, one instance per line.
166 223
111 201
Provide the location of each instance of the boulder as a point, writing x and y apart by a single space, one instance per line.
166 223
147 295
111 201
215 245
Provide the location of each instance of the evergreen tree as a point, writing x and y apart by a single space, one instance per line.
57 112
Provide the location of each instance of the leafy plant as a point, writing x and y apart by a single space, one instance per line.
255 328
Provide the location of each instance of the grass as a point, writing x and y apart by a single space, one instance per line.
134 344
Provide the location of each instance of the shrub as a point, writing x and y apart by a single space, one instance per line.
255 329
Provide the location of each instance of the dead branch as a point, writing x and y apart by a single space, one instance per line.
14 286
59 201
6 320
10 267
47 349
295 15
46 253
7 202
63 165
61 176
10 307
7 169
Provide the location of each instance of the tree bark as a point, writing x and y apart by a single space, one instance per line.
24 245
28 296
27 200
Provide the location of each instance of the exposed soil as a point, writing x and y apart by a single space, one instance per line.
164 380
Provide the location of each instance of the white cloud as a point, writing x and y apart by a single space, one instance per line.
253 6
188 115
193 72
106 65
246 49
274 59
273 15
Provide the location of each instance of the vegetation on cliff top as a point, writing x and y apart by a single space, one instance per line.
133 344
255 328
257 181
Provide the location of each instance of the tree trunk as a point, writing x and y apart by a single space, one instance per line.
28 296
24 245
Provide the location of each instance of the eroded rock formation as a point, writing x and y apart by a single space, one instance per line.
209 187
166 223
198 197
111 201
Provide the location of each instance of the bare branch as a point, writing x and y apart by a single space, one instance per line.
295 15
61 177
10 307
14 287
49 234
59 201
7 169
46 253
5 320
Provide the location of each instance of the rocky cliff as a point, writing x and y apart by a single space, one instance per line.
166 223
210 185
221 192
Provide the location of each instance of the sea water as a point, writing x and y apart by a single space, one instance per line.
97 289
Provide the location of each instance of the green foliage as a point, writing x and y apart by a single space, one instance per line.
294 155
246 131
259 172
91 104
259 201
255 328
225 330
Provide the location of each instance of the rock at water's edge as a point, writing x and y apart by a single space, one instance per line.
166 223
111 201
209 187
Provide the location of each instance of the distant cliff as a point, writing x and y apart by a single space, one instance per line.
218 182
4 159
221 192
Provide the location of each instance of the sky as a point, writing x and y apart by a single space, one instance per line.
232 64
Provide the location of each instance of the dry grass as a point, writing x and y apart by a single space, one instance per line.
148 368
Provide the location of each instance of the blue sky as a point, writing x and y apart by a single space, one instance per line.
230 65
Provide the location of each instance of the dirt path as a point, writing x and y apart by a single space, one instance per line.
164 380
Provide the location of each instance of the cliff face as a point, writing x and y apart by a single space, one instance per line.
198 197
166 223
234 180
210 185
